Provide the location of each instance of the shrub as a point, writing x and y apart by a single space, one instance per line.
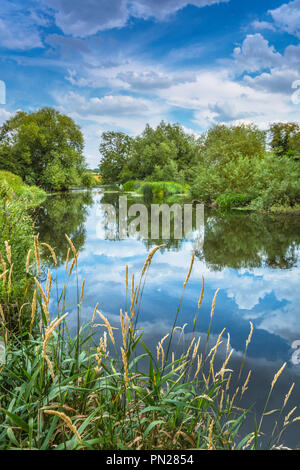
228 200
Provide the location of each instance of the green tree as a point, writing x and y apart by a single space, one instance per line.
115 150
43 147
285 138
223 143
164 145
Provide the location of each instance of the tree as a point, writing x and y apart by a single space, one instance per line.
155 148
43 147
285 139
115 150
223 143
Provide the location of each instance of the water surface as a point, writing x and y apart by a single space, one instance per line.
252 258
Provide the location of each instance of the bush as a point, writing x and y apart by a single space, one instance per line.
228 200
131 185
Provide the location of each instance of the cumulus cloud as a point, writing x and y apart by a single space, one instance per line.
287 17
275 81
256 54
215 96
83 19
106 105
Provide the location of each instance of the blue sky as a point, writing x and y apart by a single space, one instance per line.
118 64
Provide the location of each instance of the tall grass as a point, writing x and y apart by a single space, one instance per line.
59 391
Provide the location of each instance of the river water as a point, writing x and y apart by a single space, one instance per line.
252 258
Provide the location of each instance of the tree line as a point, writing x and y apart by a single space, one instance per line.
237 163
237 160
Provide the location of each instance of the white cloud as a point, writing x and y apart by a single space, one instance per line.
18 37
109 105
87 18
262 25
4 115
256 54
287 17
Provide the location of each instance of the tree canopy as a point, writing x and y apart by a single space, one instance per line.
44 148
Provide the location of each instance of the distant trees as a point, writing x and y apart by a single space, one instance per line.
115 149
44 148
285 139
160 153
226 160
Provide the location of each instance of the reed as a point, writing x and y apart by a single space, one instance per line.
82 393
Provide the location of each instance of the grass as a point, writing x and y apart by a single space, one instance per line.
59 391
156 189
13 187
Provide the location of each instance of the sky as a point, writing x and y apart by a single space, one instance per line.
119 64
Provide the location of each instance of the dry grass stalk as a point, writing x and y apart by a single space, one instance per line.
277 375
199 363
245 386
2 314
41 291
10 277
72 266
150 256
33 309
125 364
108 326
94 313
190 270
8 251
3 275
202 294
67 420
52 252
214 304
75 254
250 335
286 419
288 395
160 349
67 260
52 326
82 291
28 261
37 253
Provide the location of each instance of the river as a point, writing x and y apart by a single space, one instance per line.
252 258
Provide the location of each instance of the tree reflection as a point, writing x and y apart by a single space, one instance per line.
235 240
62 214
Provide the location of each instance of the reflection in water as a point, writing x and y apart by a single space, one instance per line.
252 258
237 241
62 214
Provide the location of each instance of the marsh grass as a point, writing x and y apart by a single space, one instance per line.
60 392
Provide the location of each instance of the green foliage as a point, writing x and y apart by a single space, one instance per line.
228 200
285 139
157 154
223 144
43 147
131 185
115 150
161 189
16 229
12 186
